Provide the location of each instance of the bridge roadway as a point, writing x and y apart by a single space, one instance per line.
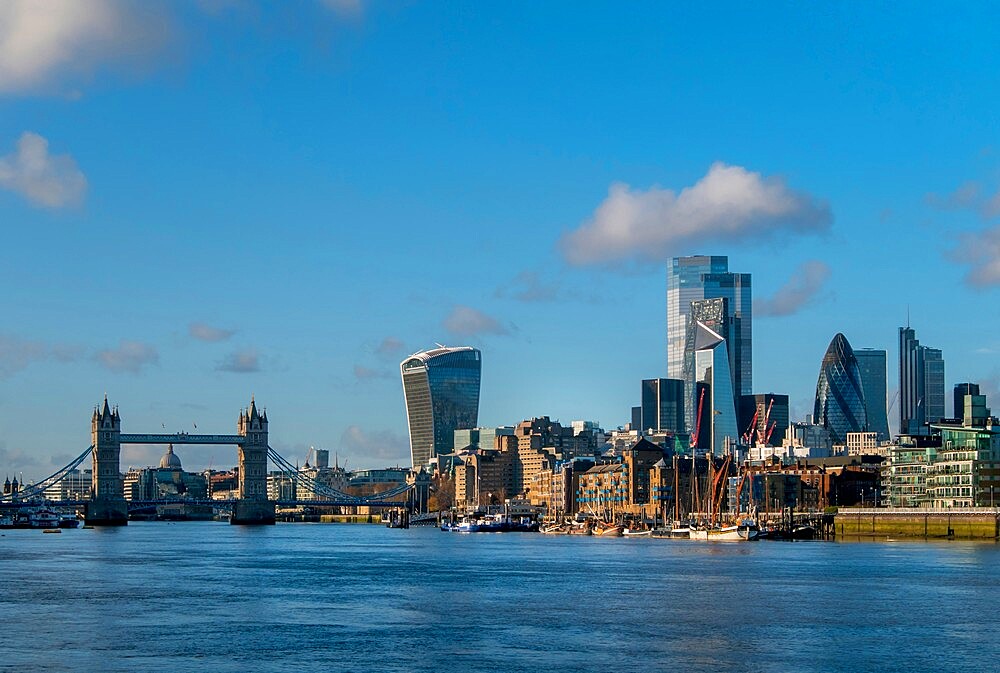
180 438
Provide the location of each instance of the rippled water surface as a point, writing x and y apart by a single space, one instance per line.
324 597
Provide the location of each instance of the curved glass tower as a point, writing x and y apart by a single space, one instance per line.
840 398
441 390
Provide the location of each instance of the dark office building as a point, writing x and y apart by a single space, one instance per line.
662 408
763 418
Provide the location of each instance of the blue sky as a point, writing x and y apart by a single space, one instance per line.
208 200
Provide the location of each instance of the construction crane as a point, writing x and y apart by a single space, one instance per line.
697 423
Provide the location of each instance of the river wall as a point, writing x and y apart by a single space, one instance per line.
978 525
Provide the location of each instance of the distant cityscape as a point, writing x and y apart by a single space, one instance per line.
698 440
840 455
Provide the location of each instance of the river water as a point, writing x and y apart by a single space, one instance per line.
324 597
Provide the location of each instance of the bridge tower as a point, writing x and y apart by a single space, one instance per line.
107 506
252 505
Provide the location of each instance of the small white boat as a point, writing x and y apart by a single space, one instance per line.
744 531
628 532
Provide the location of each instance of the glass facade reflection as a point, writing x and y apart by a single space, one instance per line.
441 389
840 398
662 405
872 364
717 431
691 281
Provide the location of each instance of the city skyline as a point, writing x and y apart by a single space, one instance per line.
184 229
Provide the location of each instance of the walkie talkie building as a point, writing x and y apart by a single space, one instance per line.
441 389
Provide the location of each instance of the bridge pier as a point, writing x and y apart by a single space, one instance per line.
107 506
253 507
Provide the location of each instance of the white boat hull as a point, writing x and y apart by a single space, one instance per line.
726 534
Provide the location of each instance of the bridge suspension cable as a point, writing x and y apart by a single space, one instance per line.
325 491
27 492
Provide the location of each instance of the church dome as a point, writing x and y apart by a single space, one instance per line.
170 461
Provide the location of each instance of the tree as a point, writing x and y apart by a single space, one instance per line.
442 493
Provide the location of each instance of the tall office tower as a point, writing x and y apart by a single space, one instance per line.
959 393
872 364
441 391
662 408
921 384
716 426
840 399
694 279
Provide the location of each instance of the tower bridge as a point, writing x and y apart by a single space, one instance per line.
107 505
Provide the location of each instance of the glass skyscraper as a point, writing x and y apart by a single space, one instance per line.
690 282
840 399
872 364
717 427
662 407
441 390
921 384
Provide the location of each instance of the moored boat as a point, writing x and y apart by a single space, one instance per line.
744 531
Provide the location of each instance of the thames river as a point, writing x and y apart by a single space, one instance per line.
325 597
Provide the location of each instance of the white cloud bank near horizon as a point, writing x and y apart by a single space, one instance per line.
728 204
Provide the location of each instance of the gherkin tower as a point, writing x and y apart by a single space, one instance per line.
840 398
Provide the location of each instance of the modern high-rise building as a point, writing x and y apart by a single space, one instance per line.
662 408
921 384
959 393
840 399
441 390
872 365
690 282
716 426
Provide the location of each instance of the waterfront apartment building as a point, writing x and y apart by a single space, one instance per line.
966 469
441 391
872 367
690 282
921 384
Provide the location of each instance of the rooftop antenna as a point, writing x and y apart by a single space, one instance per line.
907 316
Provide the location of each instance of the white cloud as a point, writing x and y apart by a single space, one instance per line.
729 204
204 332
390 347
245 361
382 445
362 373
46 42
467 321
799 291
45 179
346 8
130 356
981 252
528 286
964 196
16 353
